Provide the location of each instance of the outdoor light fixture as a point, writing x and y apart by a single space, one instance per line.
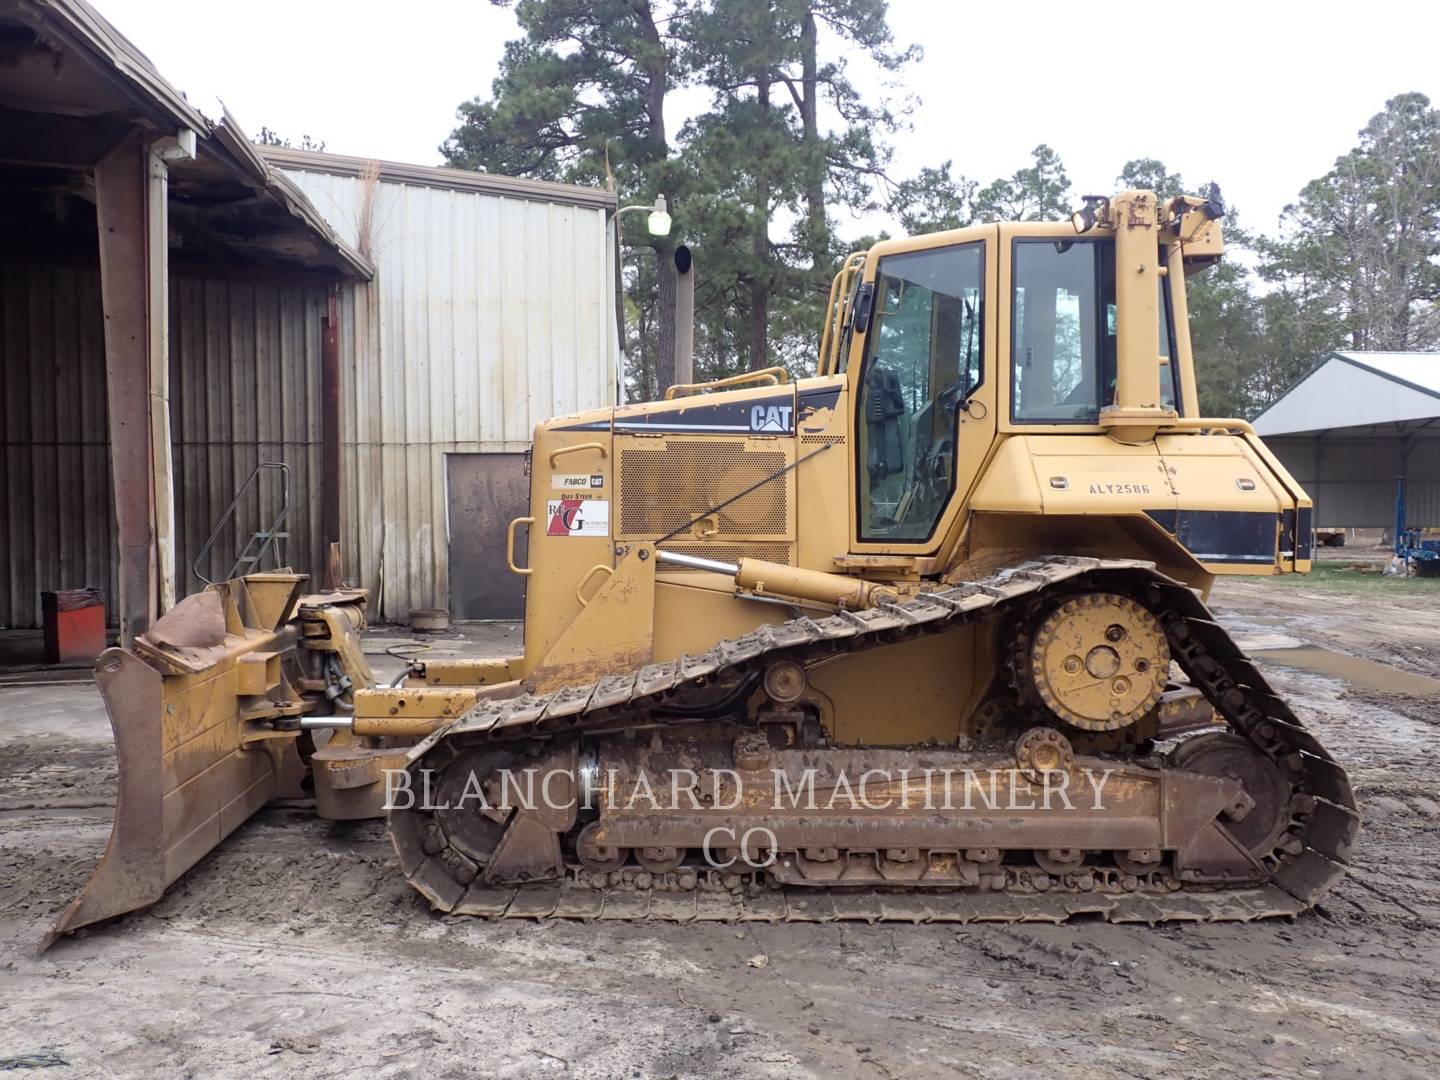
658 223
1096 207
659 220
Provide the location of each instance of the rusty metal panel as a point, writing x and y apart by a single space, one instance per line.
487 315
56 522
486 491
245 360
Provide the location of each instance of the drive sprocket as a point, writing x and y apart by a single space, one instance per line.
1098 661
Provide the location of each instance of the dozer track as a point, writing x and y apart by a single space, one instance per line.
1306 858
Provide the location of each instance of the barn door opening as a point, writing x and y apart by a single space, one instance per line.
486 491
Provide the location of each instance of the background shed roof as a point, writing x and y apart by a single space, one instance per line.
73 88
439 176
1360 393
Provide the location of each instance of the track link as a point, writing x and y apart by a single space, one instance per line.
1308 858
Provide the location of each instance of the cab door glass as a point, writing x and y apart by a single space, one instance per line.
923 359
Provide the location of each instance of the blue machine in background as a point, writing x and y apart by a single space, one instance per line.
1409 546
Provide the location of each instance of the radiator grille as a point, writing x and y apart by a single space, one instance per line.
731 553
827 440
666 483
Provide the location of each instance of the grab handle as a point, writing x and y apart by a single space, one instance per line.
576 449
580 589
523 571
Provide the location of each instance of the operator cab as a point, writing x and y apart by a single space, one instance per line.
924 359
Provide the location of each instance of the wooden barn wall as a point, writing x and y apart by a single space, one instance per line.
245 387
487 315
1352 480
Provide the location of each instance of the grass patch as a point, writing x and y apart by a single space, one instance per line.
1358 577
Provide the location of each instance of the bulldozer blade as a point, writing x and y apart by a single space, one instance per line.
197 754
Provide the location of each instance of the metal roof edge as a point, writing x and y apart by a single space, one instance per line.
440 176
231 137
77 26
1336 354
84 28
1354 359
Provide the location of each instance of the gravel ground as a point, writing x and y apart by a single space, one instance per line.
295 949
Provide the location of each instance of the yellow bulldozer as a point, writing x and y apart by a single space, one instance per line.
921 637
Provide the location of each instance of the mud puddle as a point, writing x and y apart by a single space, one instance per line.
1359 673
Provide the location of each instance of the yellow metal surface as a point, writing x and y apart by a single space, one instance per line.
377 706
349 777
836 311
665 483
693 611
467 672
975 424
612 632
826 445
917 692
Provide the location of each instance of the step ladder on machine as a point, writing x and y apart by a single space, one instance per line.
268 541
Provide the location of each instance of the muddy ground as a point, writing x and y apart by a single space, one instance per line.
294 949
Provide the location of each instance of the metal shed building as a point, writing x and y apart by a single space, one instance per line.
493 307
1352 425
175 309
163 299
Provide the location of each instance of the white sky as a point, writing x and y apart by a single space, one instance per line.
1259 95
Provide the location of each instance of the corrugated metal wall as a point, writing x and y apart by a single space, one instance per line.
56 521
245 386
1352 480
486 316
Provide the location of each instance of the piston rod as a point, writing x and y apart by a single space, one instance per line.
695 562
318 723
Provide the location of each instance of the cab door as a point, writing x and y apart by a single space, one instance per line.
921 377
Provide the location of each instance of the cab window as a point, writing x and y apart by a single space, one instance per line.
1063 358
1064 346
922 361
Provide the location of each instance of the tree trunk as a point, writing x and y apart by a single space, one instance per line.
760 249
817 233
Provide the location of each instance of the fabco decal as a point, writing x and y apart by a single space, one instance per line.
577 481
770 418
577 517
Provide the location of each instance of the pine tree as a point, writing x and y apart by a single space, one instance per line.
1365 237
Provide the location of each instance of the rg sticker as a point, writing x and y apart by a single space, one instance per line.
577 517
